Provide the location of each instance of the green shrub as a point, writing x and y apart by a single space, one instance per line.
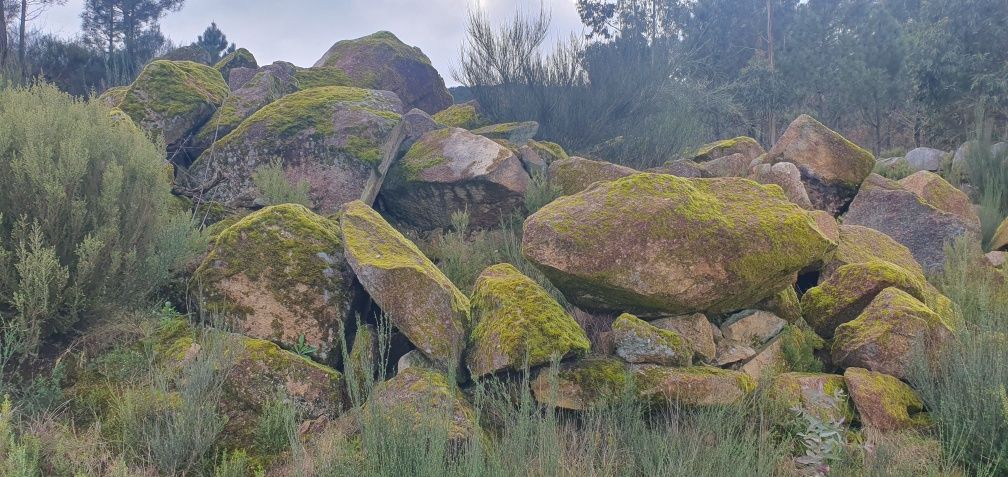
19 455
540 192
963 383
276 187
275 425
85 220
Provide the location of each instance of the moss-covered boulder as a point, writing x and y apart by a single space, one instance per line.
173 98
382 61
692 386
279 274
746 146
910 219
883 402
784 304
332 137
421 402
240 58
817 393
420 300
938 193
580 385
884 336
734 165
641 244
859 244
452 170
696 330
680 168
515 133
191 52
362 362
637 341
788 177
842 296
550 152
516 323
575 174
1000 239
269 83
463 115
832 168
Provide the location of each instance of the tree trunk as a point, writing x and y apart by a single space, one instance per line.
21 38
3 34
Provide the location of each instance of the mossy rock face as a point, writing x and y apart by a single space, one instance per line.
269 83
420 300
883 337
692 386
240 58
734 165
517 323
575 174
584 384
800 347
746 146
816 393
842 296
362 361
464 115
426 402
113 96
193 52
884 402
832 168
684 168
788 177
265 371
451 170
784 304
938 193
550 152
173 98
859 244
382 61
641 244
1000 239
279 273
890 207
696 330
332 137
638 342
515 133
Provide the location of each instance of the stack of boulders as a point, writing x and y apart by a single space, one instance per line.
720 268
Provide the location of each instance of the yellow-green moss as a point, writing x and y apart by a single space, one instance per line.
459 116
170 88
704 152
798 347
627 324
114 96
308 78
898 400
515 317
240 58
424 154
549 151
377 40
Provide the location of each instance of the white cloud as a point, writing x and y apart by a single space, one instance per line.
301 31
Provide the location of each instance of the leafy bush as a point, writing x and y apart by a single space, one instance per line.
963 385
277 188
86 222
275 423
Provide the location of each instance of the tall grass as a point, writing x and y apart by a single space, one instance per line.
964 383
987 172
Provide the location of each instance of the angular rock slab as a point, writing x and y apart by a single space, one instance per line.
516 323
452 170
832 167
280 275
890 207
583 384
695 329
420 300
642 244
692 386
884 402
638 342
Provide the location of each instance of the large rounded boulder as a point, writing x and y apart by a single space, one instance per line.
332 137
173 98
575 174
382 61
516 323
832 168
419 300
279 274
923 222
450 170
645 244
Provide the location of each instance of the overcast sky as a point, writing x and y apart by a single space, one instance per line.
300 31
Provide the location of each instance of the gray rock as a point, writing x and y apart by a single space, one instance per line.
925 159
788 177
754 327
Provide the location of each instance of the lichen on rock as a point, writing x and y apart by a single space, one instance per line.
637 342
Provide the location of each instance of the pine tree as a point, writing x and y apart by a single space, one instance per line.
215 42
